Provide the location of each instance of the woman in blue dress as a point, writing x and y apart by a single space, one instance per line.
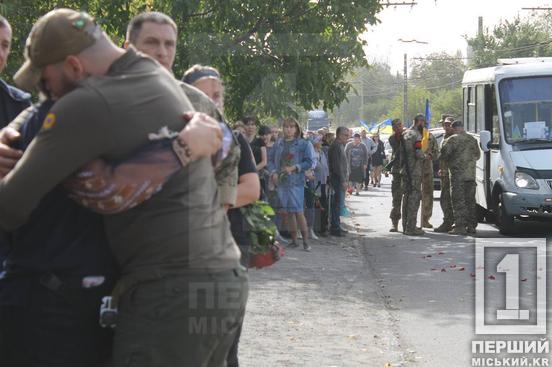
291 157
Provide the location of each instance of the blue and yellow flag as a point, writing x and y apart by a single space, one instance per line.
425 135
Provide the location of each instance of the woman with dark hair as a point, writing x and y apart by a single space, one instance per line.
377 161
259 143
291 157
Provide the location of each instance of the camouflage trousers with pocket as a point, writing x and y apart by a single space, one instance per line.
411 202
463 203
427 190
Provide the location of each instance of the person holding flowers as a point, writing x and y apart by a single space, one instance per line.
291 157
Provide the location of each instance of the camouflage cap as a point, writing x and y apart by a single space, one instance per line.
457 123
56 35
444 116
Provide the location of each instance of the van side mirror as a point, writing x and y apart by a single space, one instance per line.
484 140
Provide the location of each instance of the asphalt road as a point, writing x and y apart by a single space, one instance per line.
378 298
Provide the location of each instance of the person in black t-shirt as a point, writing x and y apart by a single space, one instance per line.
259 148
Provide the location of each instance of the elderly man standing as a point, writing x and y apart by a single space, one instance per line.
357 161
337 165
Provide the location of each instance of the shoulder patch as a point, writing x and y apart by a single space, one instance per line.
49 121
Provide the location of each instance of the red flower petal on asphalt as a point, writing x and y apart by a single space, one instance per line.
524 280
440 253
443 270
492 277
433 269
452 266
428 256
472 275
461 269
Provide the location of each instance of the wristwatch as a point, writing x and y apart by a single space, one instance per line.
182 151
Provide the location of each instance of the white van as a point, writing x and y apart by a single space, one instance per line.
509 108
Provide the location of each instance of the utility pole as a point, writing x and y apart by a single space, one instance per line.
405 91
361 108
480 26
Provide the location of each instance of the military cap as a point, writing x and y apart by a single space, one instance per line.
457 123
444 116
56 35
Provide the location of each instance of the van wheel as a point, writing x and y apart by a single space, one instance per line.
481 213
504 221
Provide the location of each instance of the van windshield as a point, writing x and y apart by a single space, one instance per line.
527 109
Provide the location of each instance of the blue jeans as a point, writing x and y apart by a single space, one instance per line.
337 199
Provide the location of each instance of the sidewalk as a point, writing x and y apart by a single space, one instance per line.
322 308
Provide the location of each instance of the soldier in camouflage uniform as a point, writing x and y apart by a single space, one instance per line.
395 167
445 200
412 157
427 181
461 152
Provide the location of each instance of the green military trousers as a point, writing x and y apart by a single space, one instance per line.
463 203
397 193
411 202
446 201
180 320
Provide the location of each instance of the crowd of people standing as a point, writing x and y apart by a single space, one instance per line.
124 181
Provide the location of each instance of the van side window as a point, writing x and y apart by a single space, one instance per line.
495 127
465 108
472 127
480 108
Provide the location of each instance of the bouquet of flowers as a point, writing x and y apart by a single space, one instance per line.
287 161
315 196
264 251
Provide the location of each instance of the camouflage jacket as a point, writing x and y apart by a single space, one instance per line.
395 142
412 155
442 163
460 152
226 171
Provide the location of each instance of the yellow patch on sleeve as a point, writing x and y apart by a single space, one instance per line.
49 121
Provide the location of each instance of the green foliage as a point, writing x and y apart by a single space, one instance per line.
261 227
441 101
371 98
438 71
511 39
274 55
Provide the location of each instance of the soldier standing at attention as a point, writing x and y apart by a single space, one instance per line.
444 199
460 152
432 153
396 189
412 157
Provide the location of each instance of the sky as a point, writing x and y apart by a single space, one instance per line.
440 23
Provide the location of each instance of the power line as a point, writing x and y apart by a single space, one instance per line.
537 8
398 4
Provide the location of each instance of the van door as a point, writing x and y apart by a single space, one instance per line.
476 108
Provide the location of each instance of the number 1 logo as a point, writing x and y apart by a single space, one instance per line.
508 258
